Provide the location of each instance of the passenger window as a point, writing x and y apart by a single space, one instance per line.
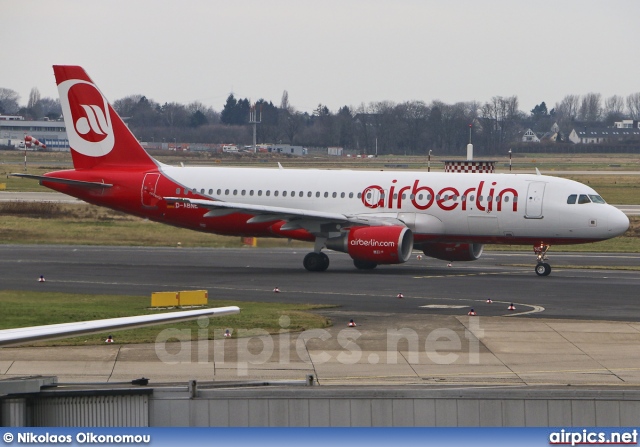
404 196
275 193
267 193
506 199
351 195
219 192
479 198
244 192
326 194
210 191
334 195
284 194
342 195
235 192
309 194
471 197
583 199
571 200
251 192
226 192
359 195
259 192
317 193
293 194
202 191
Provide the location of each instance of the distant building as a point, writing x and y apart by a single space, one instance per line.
52 133
603 135
530 137
335 151
287 149
627 124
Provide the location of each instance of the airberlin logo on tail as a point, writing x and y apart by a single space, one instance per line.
86 114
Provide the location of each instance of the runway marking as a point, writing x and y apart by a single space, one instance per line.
466 274
444 306
536 309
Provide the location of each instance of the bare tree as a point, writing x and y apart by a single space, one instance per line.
33 106
284 103
499 118
633 104
567 109
613 109
34 98
9 101
590 108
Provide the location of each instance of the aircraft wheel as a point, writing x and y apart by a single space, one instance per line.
543 269
316 262
364 265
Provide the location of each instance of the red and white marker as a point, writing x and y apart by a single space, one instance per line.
352 323
511 307
400 296
472 313
276 290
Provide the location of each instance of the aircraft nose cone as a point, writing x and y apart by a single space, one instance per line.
618 222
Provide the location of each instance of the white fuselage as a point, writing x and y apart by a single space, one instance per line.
456 206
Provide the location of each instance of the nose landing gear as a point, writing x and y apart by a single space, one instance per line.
542 267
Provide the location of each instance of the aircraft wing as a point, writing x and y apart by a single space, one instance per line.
264 213
12 337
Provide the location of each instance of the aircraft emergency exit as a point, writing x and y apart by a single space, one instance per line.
377 217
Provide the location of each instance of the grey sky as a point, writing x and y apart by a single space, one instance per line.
335 52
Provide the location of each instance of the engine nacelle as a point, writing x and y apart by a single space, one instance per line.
380 245
452 251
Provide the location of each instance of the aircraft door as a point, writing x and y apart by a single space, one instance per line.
148 192
535 194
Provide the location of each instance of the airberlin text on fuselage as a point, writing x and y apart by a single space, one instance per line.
423 197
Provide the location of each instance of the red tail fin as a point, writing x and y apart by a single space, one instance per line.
97 135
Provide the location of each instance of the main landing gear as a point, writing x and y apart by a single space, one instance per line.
542 268
316 262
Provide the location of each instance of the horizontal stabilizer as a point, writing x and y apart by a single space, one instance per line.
66 181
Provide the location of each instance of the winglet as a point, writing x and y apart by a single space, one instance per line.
538 172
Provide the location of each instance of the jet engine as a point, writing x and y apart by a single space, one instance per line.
452 251
376 245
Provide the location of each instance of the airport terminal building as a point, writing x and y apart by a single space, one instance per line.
14 128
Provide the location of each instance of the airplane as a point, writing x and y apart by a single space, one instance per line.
18 336
377 217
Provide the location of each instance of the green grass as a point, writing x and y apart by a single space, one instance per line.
22 309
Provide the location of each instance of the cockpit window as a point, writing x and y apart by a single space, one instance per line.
584 199
572 199
596 199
